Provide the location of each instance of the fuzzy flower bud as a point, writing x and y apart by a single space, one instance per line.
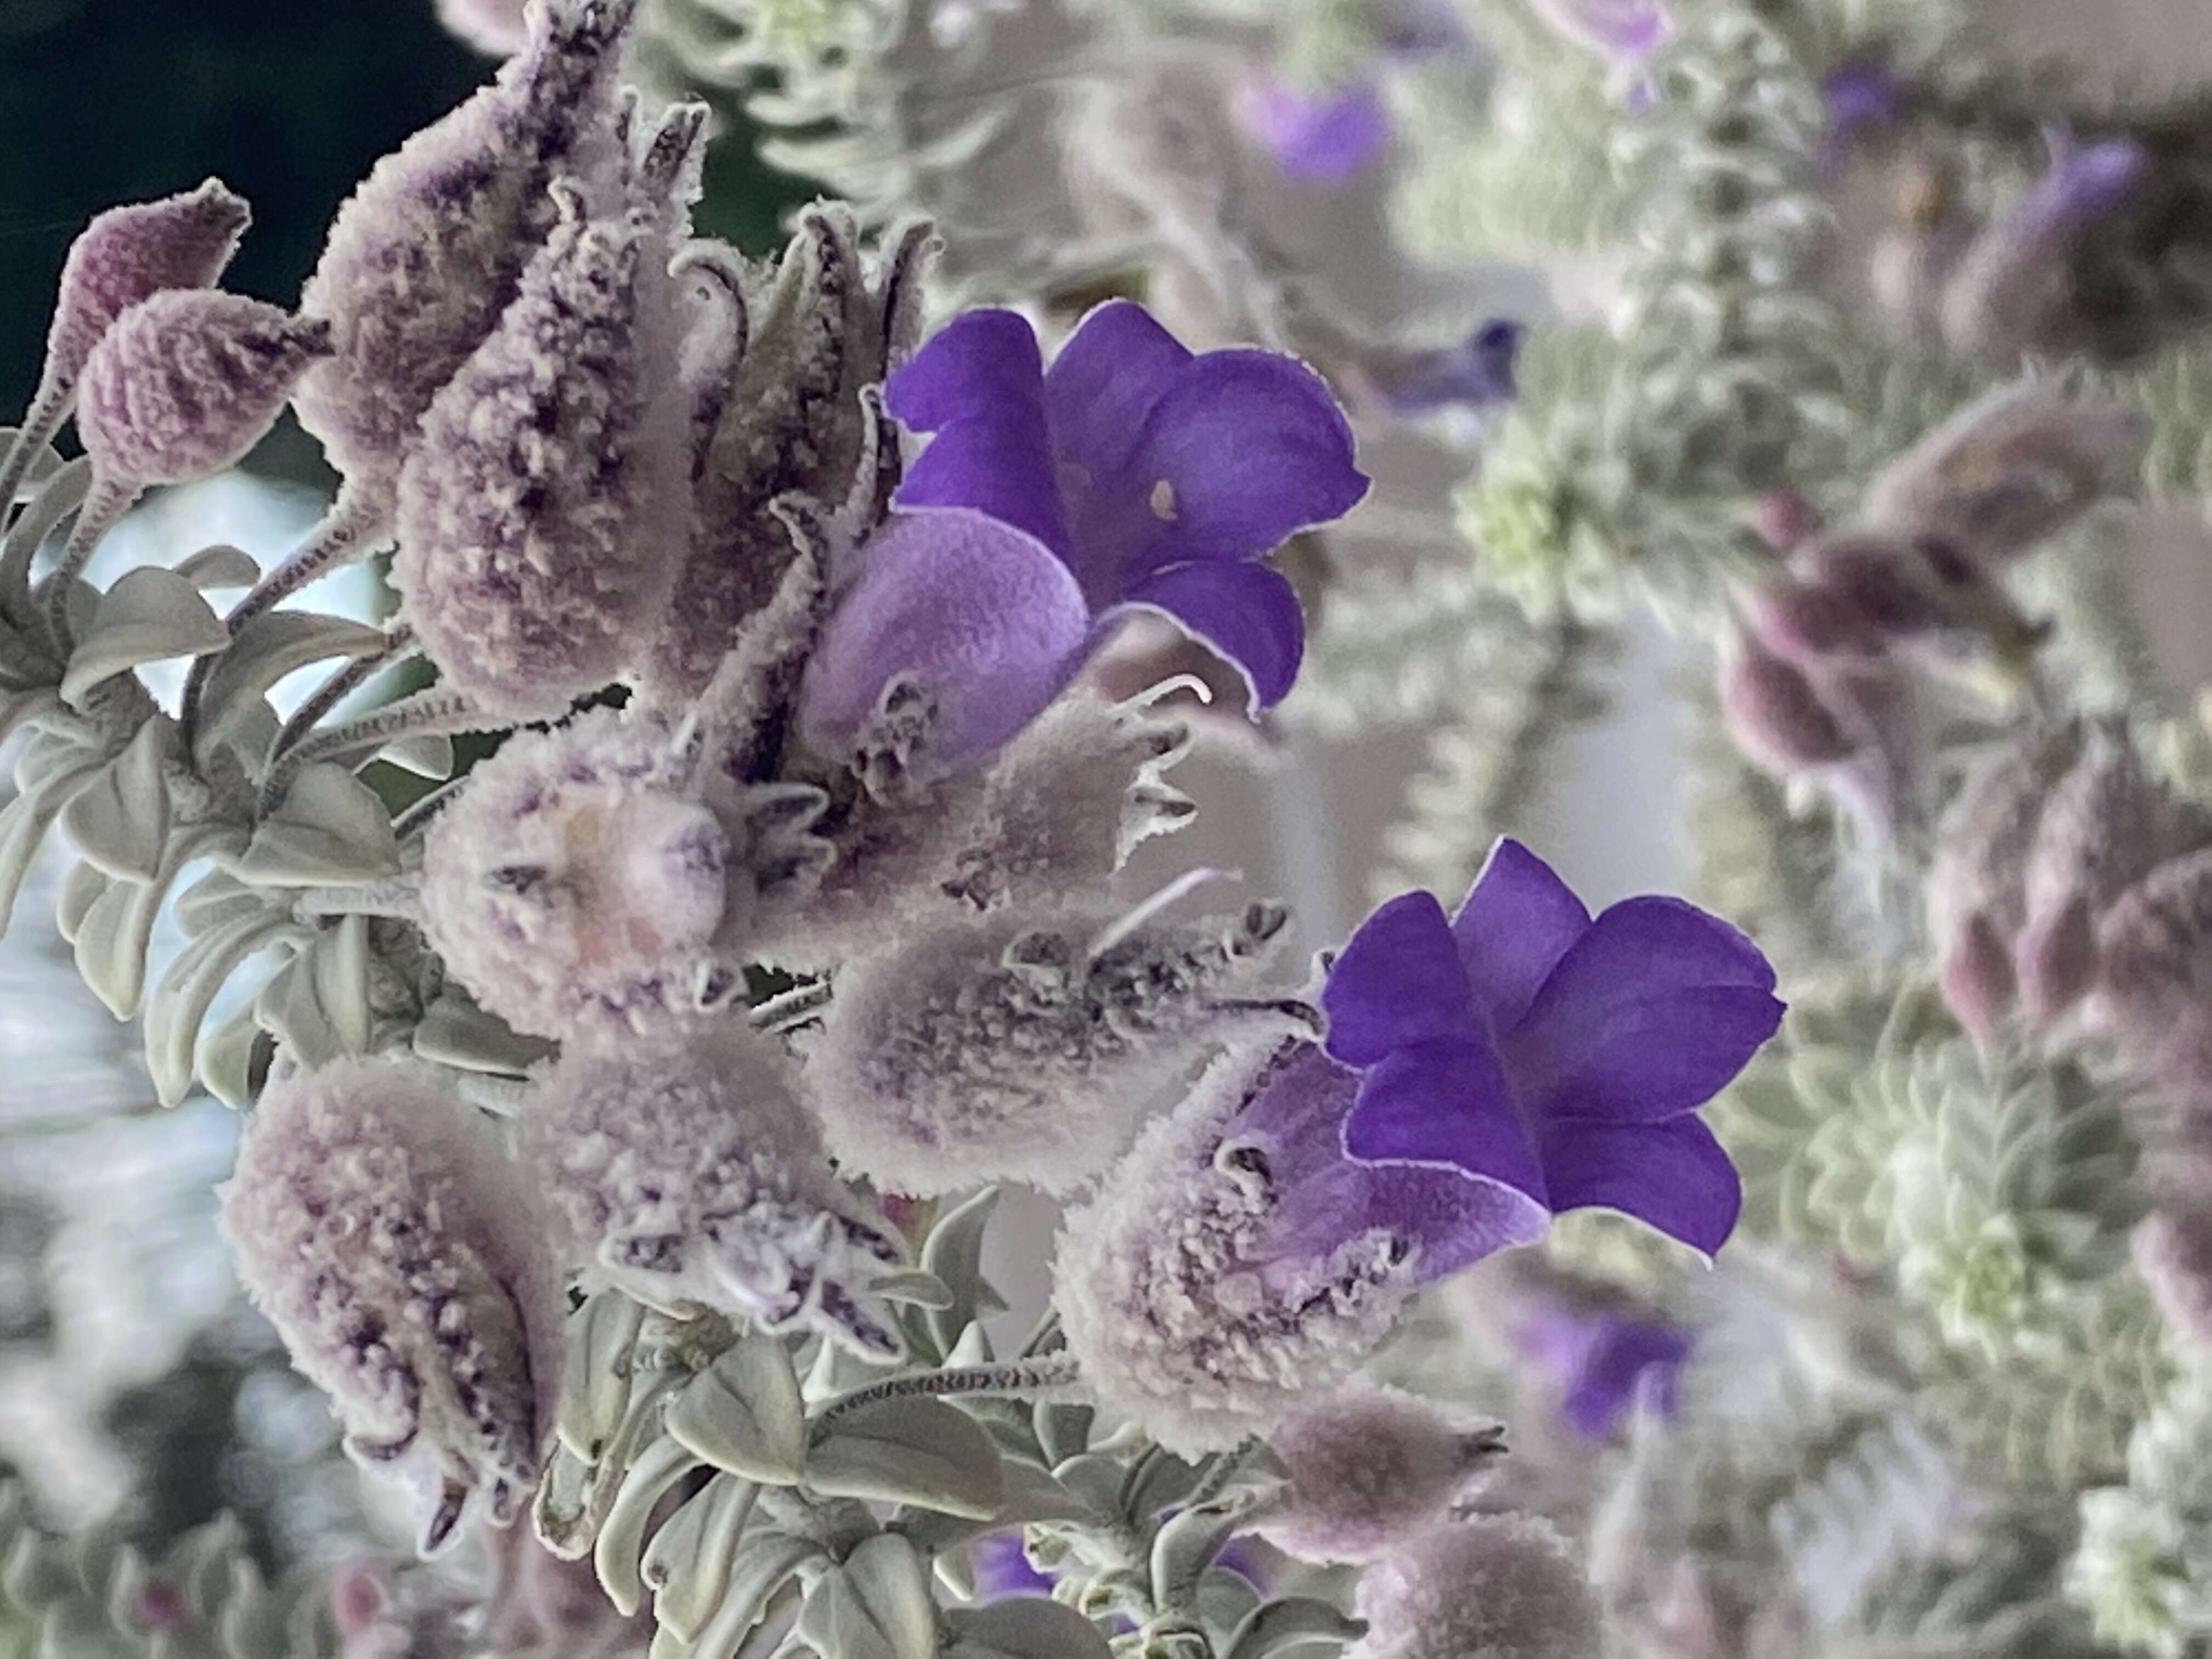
188 380
128 254
1500 1587
1371 1468
537 519
1773 711
2155 953
583 885
426 255
1021 1047
686 1172
375 1221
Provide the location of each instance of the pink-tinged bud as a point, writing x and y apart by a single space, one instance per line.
1882 586
1496 1587
426 255
187 382
495 28
1977 979
541 521
2174 1252
378 1223
2012 470
1371 1469
686 1173
1776 715
2154 950
1020 1048
1783 519
128 254
1803 622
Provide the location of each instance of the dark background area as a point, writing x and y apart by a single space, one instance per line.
288 101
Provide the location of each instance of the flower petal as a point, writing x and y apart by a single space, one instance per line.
1320 137
984 617
1654 1009
1517 922
1673 1176
979 385
1247 614
1245 449
1115 367
1444 1105
1396 983
1452 1219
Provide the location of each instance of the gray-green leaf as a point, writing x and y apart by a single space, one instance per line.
1023 1627
744 1414
764 1560
453 1032
149 615
688 1564
1296 1620
916 1451
120 821
876 1606
1187 1543
267 648
954 1252
621 1537
317 1003
330 829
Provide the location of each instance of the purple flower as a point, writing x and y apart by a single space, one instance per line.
1626 31
1560 1059
1476 373
1862 95
1323 137
1003 1568
1133 475
1602 1361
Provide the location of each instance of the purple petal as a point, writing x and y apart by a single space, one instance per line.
1650 1013
1600 1362
984 617
2085 182
1322 138
1672 1175
1444 1105
1395 983
1115 367
1626 30
1519 920
1247 614
979 385
1473 375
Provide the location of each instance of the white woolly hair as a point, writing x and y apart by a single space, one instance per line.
1370 1466
1497 1587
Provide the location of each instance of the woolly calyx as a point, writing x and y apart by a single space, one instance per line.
1371 1468
1187 1311
686 1173
376 1222
128 254
582 886
1499 1587
186 381
1022 1048
535 520
427 253
822 322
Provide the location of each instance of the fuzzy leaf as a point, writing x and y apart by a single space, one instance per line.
764 1560
149 615
21 708
219 566
317 1004
330 829
111 942
25 820
910 1451
744 1414
595 1381
1063 1432
190 987
689 1561
876 1606
954 1252
267 648
1274 1627
455 1032
1185 1546
426 754
1023 1627
622 1536
226 1057
120 821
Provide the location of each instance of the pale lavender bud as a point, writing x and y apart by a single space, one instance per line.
1776 715
2012 469
686 1172
376 1221
1498 1587
1895 588
538 519
425 256
129 254
1976 978
2155 951
495 28
585 887
1021 1047
2174 1252
185 382
1371 1468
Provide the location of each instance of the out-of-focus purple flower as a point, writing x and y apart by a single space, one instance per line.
1624 31
1002 1567
1862 95
1481 1075
1473 375
1561 1058
1324 137
1133 475
1604 1362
